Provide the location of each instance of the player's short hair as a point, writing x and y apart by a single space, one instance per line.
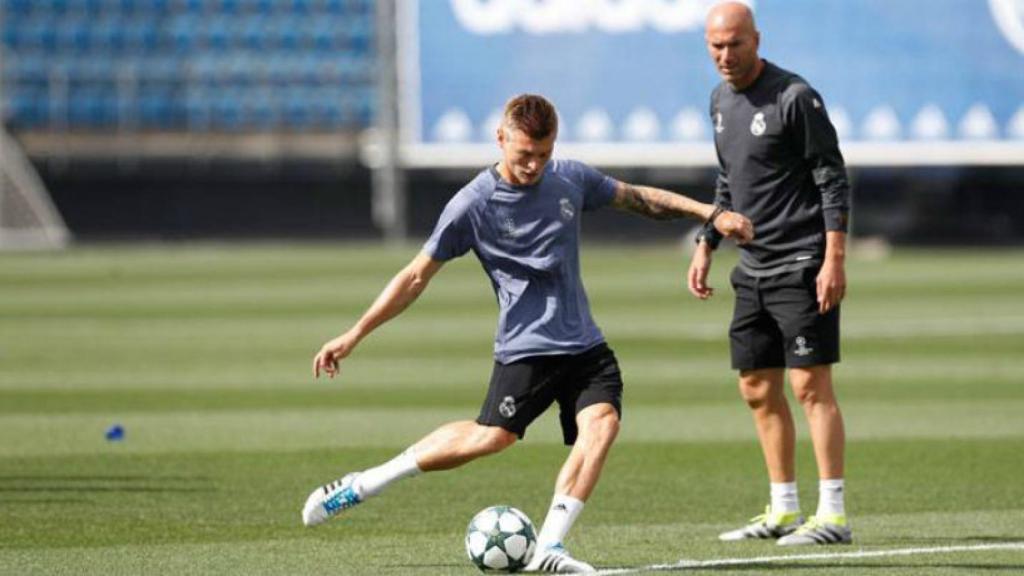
532 114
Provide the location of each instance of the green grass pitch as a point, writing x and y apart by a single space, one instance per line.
202 353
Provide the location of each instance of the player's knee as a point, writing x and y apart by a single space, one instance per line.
601 424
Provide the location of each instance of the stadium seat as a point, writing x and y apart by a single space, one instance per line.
189 64
18 7
74 36
25 68
93 107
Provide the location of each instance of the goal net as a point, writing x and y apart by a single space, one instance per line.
28 218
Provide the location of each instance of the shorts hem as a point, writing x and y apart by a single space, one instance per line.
519 433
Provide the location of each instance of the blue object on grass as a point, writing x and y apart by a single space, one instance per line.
115 433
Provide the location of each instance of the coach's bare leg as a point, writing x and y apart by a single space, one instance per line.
764 392
598 426
812 386
457 443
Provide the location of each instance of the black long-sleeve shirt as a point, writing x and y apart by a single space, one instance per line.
780 166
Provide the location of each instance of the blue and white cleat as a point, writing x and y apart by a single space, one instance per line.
329 500
556 559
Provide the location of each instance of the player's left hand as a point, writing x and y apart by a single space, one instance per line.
831 285
736 226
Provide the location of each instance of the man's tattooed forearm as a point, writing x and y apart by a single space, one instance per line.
648 202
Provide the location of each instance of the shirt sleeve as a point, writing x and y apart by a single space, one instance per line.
453 234
598 188
812 131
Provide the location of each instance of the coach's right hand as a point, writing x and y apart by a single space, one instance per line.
697 277
332 353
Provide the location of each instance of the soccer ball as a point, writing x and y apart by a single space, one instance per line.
500 538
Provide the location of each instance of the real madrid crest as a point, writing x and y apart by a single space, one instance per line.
507 408
566 208
758 125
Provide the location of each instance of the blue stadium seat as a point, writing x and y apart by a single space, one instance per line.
161 68
190 6
360 34
264 7
181 33
198 108
254 32
27 108
90 69
204 69
298 6
25 68
93 107
38 34
141 36
73 35
227 109
259 108
229 7
296 109
204 64
53 6
362 104
11 36
216 33
159 107
88 7
18 7
109 34
285 33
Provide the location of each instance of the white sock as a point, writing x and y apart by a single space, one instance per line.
373 480
561 516
784 497
830 498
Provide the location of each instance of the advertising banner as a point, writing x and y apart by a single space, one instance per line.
905 81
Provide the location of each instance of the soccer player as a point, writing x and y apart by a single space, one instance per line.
780 164
521 218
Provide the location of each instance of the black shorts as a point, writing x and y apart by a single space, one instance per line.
776 322
521 391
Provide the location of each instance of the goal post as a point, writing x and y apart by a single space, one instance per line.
28 218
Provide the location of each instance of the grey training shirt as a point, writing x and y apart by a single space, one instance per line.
781 167
527 240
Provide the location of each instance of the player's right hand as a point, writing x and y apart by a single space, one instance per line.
329 356
697 276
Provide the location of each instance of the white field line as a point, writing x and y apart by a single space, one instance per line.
698 564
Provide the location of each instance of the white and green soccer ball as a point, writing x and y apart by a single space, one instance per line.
500 538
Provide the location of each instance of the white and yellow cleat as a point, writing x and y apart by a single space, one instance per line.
555 559
765 526
827 530
329 500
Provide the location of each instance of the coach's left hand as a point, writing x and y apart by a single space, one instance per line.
831 284
736 226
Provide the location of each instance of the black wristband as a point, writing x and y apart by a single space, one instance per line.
714 214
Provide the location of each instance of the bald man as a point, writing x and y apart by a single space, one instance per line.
780 165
